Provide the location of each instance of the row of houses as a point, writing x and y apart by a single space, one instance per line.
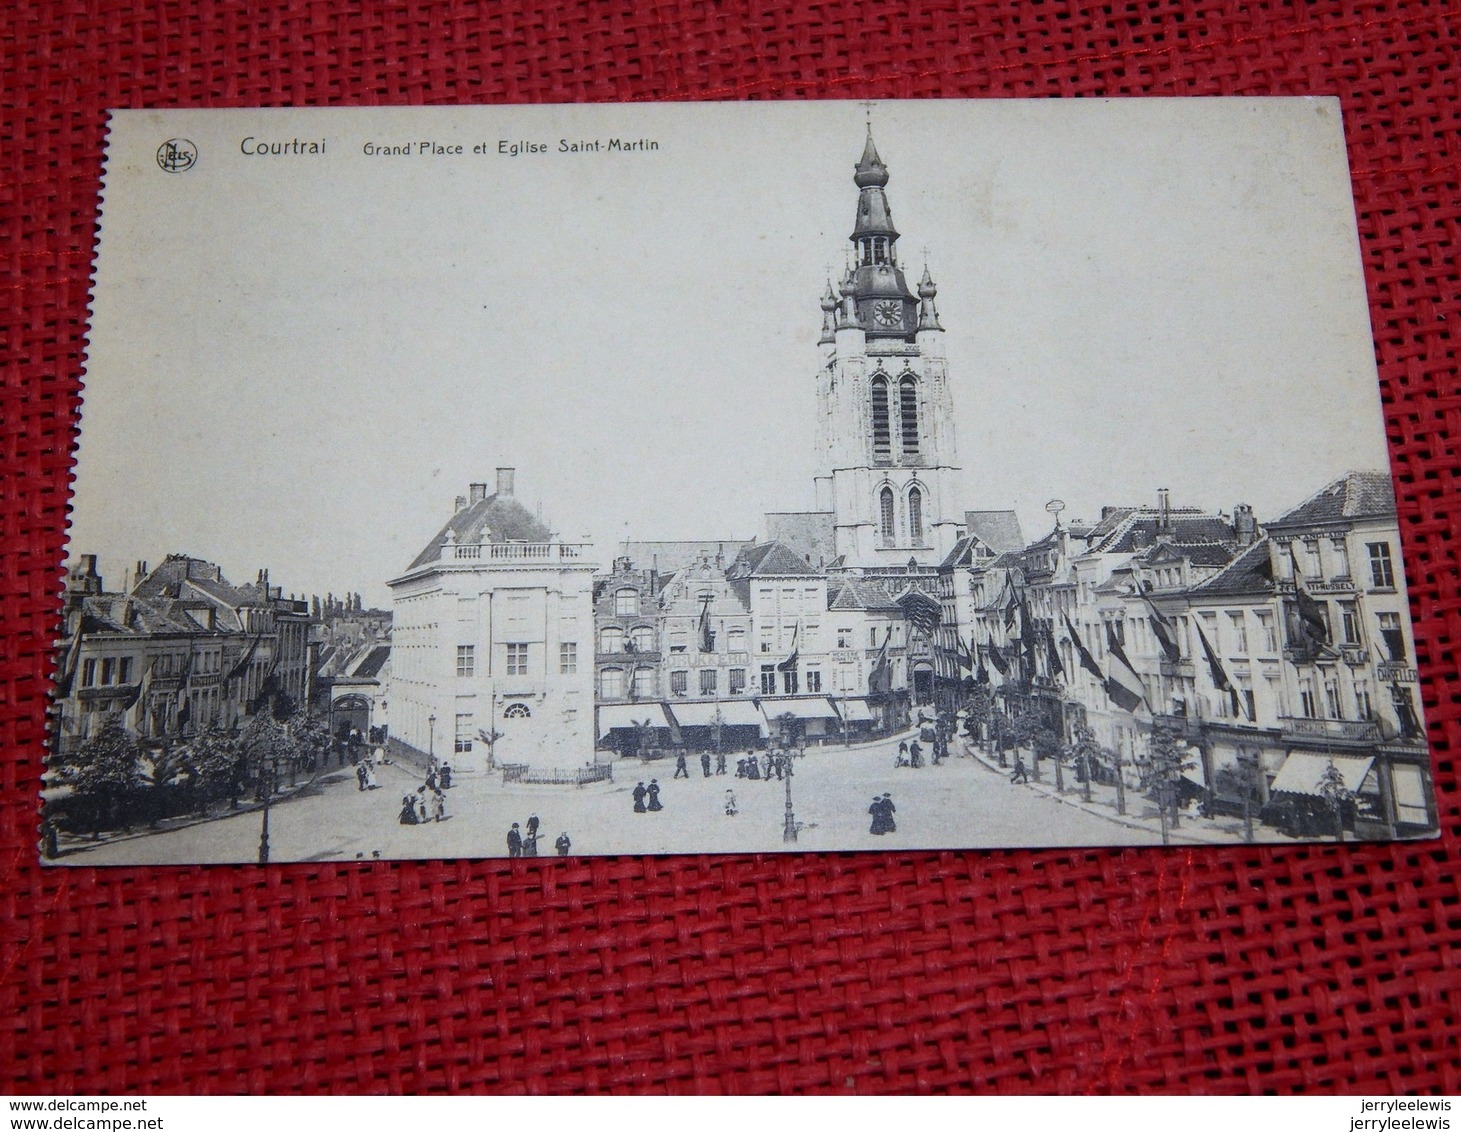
1274 650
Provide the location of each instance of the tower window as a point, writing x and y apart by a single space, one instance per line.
915 516
886 516
908 416
882 432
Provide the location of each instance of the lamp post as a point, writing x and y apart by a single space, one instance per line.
431 737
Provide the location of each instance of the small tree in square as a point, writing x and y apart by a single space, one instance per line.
1166 760
1333 790
1083 751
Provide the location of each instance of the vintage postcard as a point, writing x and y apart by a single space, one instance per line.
559 480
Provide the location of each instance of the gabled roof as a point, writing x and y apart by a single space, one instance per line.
998 530
1356 495
1127 530
856 594
503 519
769 559
374 661
1249 573
1198 553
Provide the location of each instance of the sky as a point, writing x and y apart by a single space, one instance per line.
299 360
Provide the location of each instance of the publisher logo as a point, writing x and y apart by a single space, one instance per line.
176 155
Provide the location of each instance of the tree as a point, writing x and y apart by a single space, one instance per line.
212 760
1045 744
1333 790
1083 751
104 770
980 707
1166 760
262 747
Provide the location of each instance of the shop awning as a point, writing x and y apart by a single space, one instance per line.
733 713
854 711
612 716
803 707
1302 772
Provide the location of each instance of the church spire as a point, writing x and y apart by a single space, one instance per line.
883 303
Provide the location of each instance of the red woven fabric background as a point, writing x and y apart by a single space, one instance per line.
1318 968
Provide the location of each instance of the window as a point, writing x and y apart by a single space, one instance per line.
1350 619
736 640
1331 699
1392 634
466 660
886 518
737 681
1410 795
626 603
567 658
1382 569
872 637
915 516
642 638
108 670
1362 702
1341 557
643 682
1312 567
463 734
709 681
1240 633
1306 700
1266 630
766 638
517 711
679 682
844 638
882 434
908 417
611 683
788 681
1209 627
814 680
124 670
88 673
517 660
1252 707
679 640
611 640
768 679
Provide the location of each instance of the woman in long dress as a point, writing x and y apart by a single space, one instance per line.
408 810
654 805
876 810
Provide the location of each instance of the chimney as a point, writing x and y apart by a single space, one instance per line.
1164 509
1245 527
461 503
504 482
478 492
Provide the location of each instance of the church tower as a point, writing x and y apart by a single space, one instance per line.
885 439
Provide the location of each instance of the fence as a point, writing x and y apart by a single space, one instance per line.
574 776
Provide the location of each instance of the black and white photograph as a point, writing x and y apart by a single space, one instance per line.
544 481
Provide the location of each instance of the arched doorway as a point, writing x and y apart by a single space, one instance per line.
348 713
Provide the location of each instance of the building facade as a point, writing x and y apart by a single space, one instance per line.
492 637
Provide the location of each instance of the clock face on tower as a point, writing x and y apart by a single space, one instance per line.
888 312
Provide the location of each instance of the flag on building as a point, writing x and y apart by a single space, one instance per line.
1052 656
789 664
997 658
1220 679
922 611
1165 632
879 679
242 666
707 642
964 656
1312 621
1011 606
1083 654
69 663
1123 684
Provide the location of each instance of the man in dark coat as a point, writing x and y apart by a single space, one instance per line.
720 762
563 845
639 793
514 842
705 763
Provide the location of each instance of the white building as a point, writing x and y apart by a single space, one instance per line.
493 640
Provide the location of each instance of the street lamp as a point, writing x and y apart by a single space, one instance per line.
431 737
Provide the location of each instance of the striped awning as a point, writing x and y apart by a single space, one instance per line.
701 713
613 716
1303 771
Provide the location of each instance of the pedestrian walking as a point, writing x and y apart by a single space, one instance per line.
446 776
532 825
421 803
1020 774
878 827
719 762
639 793
369 772
360 775
653 791
530 845
431 778
915 755
514 842
731 809
889 825
438 806
680 771
705 763
563 845
408 810
902 754
380 756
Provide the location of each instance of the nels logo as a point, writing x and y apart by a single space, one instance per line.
176 155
